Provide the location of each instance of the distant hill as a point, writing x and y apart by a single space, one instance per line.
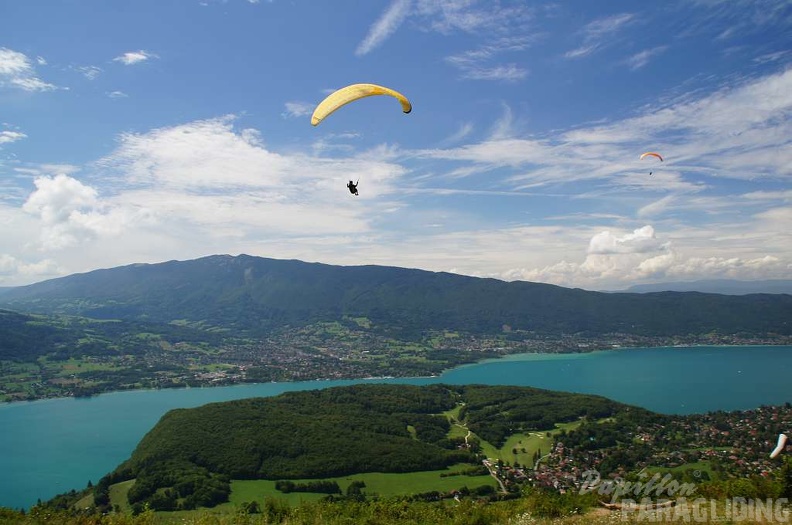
188 458
720 286
25 337
254 295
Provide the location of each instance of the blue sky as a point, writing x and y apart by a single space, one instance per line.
154 130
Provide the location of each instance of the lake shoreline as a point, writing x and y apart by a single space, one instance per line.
517 356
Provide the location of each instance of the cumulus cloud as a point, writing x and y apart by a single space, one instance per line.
70 212
11 266
201 154
731 268
134 57
642 240
16 70
7 137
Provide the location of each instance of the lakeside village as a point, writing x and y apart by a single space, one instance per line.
322 351
661 461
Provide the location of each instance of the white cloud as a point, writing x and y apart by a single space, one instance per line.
599 33
134 57
463 131
508 72
491 20
89 72
70 212
731 268
657 207
16 70
7 137
741 132
642 240
385 26
785 195
642 58
210 174
201 154
56 198
116 94
773 57
11 266
471 16
298 109
619 260
477 64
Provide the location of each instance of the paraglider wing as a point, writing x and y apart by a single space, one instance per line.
351 93
782 439
651 154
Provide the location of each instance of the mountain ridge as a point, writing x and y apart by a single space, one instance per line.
719 286
256 295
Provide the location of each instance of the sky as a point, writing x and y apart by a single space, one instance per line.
151 130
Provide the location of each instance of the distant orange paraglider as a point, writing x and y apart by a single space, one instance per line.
651 154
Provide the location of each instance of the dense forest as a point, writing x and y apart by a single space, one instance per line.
254 295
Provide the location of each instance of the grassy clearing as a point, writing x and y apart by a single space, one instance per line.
381 484
118 495
363 322
526 444
700 466
85 502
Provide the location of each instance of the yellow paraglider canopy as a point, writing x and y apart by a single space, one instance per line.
351 93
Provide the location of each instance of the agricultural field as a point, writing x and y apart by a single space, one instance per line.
376 483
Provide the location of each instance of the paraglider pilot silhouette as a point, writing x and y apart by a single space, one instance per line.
353 187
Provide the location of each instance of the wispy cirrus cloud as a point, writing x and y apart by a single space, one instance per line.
463 131
134 57
598 34
490 20
297 109
479 64
385 26
640 59
17 70
89 72
738 132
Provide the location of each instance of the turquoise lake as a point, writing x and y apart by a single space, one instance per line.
52 446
